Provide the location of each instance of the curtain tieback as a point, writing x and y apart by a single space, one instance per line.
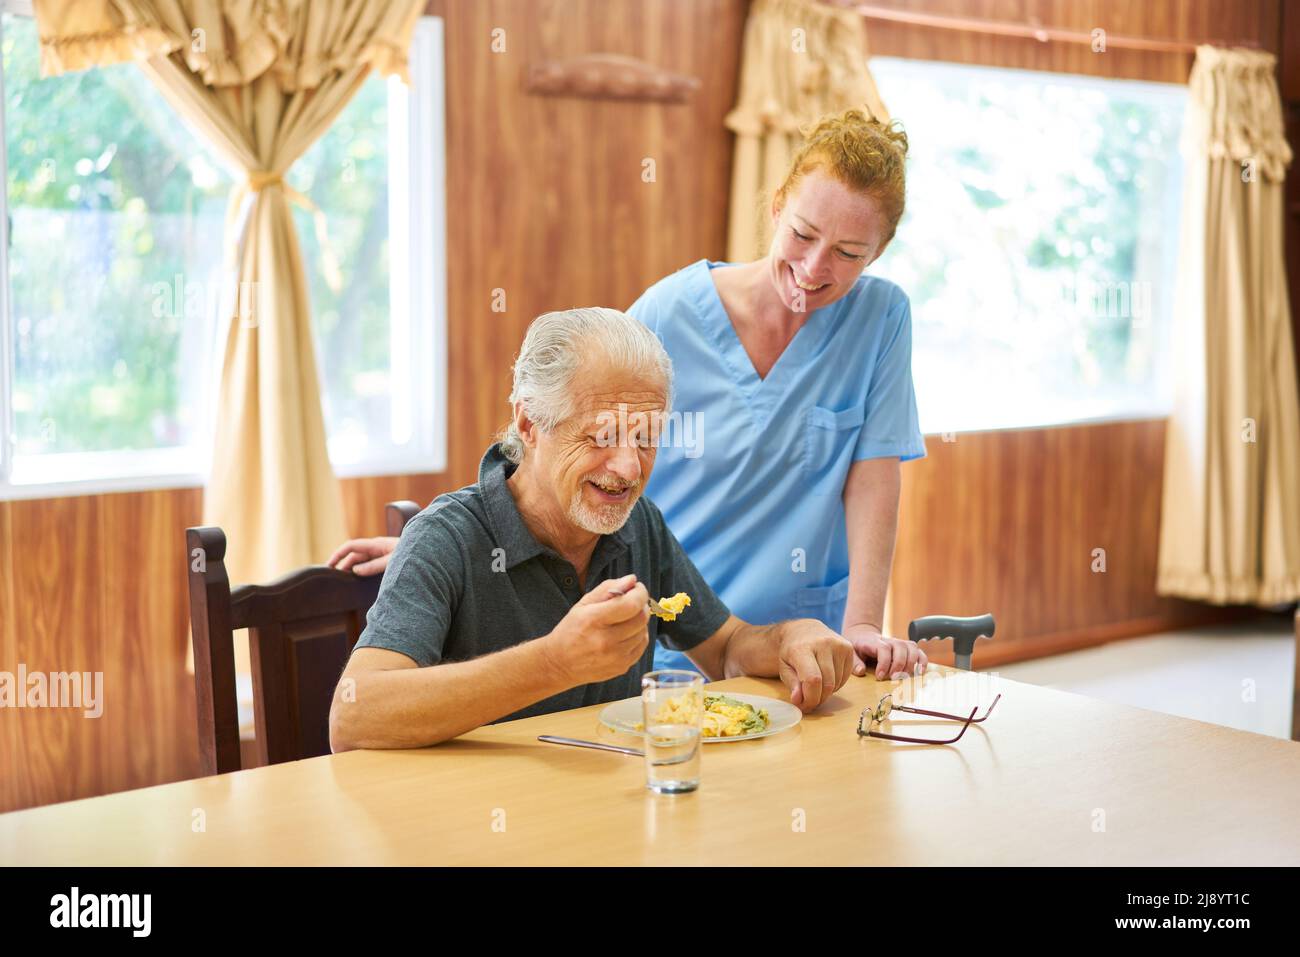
258 180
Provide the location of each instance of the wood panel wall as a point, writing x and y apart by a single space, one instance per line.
546 202
97 583
546 197
1052 530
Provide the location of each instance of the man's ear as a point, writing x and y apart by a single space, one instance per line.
526 427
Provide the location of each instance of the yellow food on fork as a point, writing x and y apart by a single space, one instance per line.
672 607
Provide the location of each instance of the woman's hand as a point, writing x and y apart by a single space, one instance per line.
365 556
894 657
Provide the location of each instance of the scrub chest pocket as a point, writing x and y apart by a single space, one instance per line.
825 603
829 438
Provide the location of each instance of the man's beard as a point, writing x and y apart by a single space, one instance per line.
600 519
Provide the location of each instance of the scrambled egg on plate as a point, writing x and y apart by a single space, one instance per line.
723 717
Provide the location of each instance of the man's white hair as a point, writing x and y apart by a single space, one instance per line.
555 347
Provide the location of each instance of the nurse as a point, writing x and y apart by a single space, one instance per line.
793 380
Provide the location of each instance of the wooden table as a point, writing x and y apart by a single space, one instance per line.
1051 778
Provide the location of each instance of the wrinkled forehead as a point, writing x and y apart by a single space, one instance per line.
601 389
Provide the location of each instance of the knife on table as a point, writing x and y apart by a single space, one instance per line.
579 743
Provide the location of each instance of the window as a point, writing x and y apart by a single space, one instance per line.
110 349
1039 245
378 173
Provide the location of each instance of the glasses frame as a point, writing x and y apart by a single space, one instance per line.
967 720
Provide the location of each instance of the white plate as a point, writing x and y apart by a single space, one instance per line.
781 715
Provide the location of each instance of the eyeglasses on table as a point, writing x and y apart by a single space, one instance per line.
886 706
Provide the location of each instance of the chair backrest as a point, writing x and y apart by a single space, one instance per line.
301 630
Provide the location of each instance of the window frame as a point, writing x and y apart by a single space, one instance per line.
6 312
424 289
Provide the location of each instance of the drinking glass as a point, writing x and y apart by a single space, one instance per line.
672 707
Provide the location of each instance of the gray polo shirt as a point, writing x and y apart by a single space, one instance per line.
467 578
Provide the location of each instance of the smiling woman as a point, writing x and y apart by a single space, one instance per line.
799 366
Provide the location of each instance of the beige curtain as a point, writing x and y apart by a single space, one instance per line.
800 60
1230 525
260 80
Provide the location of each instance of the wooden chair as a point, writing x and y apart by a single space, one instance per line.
301 630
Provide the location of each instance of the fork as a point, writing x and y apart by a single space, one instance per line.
659 610
655 608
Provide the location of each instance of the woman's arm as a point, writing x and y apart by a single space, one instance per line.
871 517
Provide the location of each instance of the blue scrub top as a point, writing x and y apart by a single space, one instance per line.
750 472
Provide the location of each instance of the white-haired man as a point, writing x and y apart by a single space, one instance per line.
527 592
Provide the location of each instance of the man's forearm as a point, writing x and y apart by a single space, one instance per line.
417 707
754 650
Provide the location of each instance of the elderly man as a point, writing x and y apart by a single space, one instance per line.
527 592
